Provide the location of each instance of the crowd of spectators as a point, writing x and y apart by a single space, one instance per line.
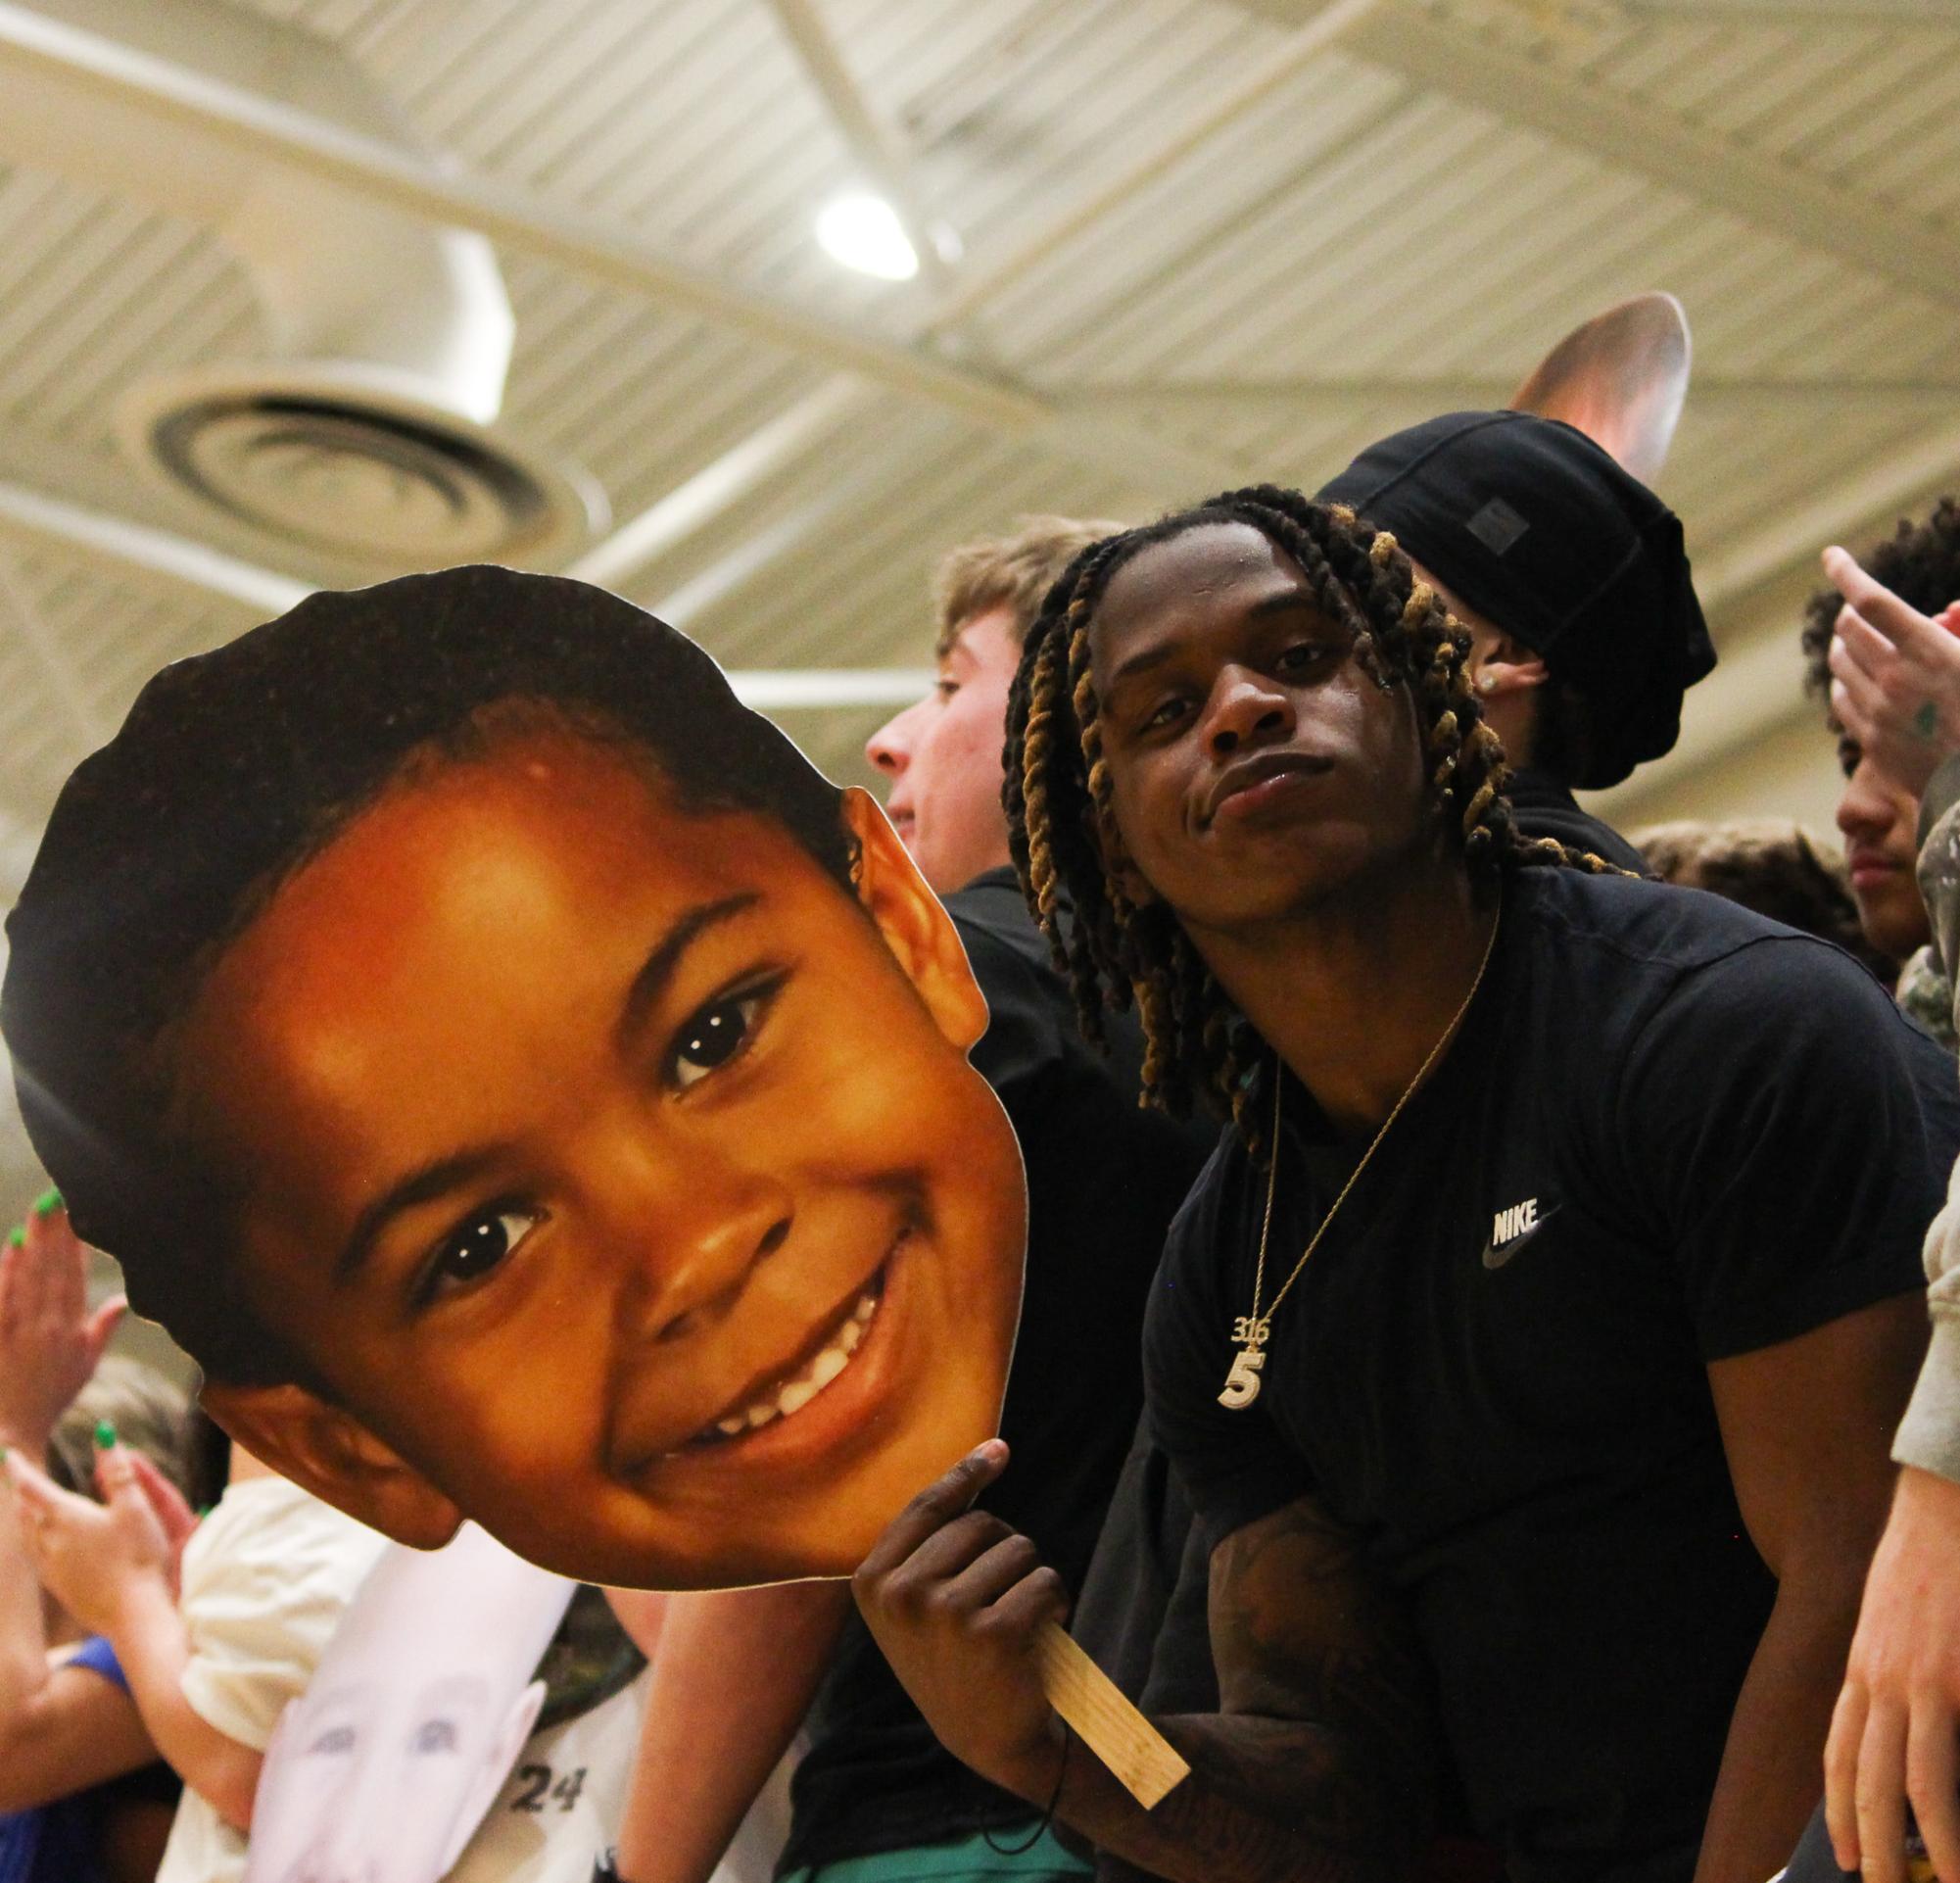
1577 1596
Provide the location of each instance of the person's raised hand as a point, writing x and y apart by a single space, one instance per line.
1895 1735
90 1557
50 1343
957 1601
173 1513
1894 676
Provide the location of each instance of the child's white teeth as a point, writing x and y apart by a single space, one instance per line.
795 1396
807 1383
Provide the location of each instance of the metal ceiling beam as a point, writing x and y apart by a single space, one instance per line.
1724 398
63 682
692 504
1789 13
36 515
1764 13
1116 442
1161 469
275 133
152 552
879 150
801 688
1900 476
1327 28
1719 172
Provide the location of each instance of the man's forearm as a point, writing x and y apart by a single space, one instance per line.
1772 1767
153 1650
1269 1800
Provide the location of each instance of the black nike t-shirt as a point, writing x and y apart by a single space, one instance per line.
1670 1132
1104 1179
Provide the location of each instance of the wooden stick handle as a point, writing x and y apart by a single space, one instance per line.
1133 1749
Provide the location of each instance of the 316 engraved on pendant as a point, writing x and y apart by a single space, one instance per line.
1242 1384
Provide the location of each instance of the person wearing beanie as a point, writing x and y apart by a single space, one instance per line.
1570 575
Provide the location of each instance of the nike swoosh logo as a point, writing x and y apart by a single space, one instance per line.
1498 1254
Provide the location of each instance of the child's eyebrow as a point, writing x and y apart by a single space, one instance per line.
445 1174
420 1187
651 983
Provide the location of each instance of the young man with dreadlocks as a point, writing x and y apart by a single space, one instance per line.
1583 566
1530 1366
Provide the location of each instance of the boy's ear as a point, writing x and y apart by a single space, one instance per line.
1504 664
330 1453
914 923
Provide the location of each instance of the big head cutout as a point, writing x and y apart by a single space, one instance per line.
532 1092
383 1767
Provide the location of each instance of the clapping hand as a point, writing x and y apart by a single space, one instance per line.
50 1343
92 1556
1894 676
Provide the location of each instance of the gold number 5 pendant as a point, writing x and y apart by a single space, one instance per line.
1242 1383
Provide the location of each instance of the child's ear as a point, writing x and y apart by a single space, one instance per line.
329 1452
914 924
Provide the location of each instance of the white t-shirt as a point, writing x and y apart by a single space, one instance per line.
265 1578
560 1807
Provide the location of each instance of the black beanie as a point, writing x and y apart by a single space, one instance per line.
1538 529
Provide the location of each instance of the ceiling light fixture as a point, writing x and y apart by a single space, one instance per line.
863 232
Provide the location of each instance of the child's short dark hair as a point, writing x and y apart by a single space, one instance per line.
232 769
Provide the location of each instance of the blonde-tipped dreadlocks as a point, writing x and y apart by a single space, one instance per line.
1057 790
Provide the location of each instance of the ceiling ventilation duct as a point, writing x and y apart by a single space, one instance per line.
368 433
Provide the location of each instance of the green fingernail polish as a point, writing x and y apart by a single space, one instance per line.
18 1239
202 1511
47 1203
105 1435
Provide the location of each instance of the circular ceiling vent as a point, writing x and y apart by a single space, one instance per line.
338 460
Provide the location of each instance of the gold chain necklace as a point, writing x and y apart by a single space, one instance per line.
1250 1331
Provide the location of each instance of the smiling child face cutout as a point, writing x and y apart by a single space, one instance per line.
621 1177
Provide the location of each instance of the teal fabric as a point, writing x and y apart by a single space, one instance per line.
965 1859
